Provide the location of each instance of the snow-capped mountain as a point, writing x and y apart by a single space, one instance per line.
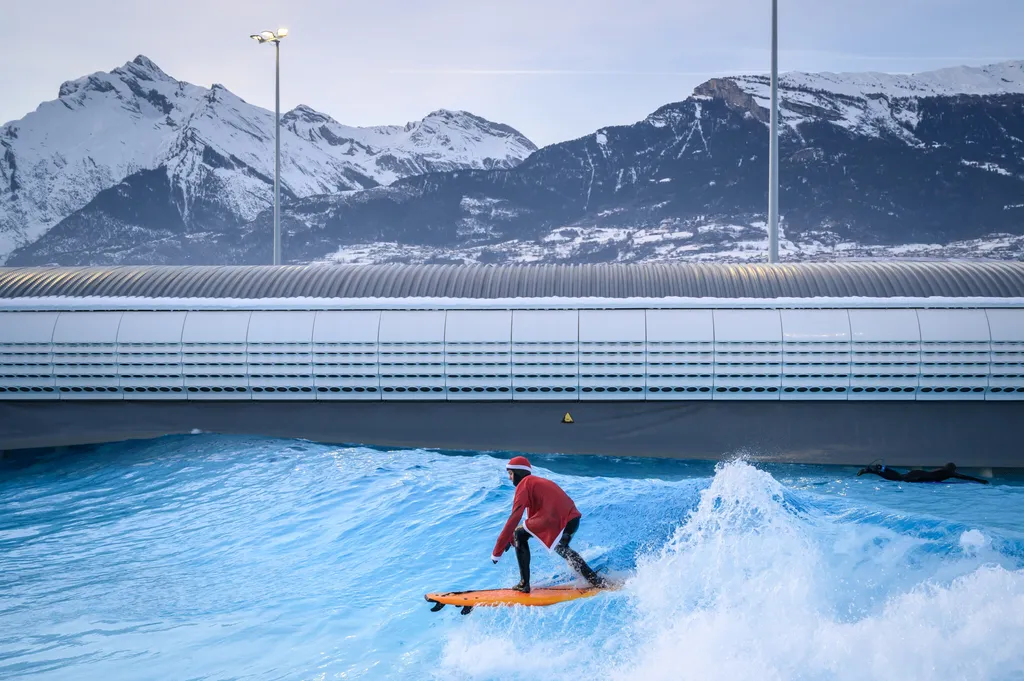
214 152
866 103
872 165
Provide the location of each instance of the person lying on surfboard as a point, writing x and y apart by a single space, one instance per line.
938 475
551 517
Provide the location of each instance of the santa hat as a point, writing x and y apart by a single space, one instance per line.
519 463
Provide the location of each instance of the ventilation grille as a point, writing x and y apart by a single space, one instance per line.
346 371
26 371
479 370
1006 381
280 370
412 371
748 370
612 370
680 370
86 370
150 370
884 369
545 370
224 365
959 368
215 370
815 370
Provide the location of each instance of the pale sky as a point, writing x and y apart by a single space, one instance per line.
554 69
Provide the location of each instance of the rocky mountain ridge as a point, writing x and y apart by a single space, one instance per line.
872 165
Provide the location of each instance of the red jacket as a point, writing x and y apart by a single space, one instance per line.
548 510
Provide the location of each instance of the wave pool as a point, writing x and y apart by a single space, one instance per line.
210 557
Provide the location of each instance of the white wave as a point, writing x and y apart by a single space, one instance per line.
743 591
471 654
967 630
752 587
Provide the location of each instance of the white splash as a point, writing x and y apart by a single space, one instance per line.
972 541
752 586
745 590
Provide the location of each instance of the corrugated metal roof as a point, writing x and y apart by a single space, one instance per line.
995 279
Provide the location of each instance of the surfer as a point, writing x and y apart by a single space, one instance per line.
938 475
552 518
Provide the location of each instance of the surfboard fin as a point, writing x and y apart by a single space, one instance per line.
437 606
466 609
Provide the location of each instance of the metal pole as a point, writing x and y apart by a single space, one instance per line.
773 147
277 155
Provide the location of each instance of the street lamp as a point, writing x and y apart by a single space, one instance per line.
773 145
272 37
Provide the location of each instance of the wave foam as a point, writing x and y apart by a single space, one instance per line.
754 586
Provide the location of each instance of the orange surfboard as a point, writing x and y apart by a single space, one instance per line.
494 597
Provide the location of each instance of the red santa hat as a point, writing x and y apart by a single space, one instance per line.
519 463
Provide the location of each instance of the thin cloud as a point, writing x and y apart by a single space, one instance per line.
850 56
692 74
549 72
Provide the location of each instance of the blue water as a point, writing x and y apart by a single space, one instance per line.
207 557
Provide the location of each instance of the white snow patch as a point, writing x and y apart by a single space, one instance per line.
870 103
991 167
993 79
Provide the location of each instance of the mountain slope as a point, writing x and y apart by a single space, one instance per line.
216 150
871 165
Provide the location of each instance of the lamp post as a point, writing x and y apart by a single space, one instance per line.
275 38
773 145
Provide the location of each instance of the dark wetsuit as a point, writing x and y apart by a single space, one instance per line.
574 559
943 474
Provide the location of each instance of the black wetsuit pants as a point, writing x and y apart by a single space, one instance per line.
574 559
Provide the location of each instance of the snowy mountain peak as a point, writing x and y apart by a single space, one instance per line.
873 104
306 113
445 131
445 113
143 68
992 79
105 127
467 120
137 76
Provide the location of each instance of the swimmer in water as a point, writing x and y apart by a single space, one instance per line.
938 475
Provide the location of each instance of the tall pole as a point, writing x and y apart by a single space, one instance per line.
773 145
277 154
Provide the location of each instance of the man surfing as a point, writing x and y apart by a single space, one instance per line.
552 518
